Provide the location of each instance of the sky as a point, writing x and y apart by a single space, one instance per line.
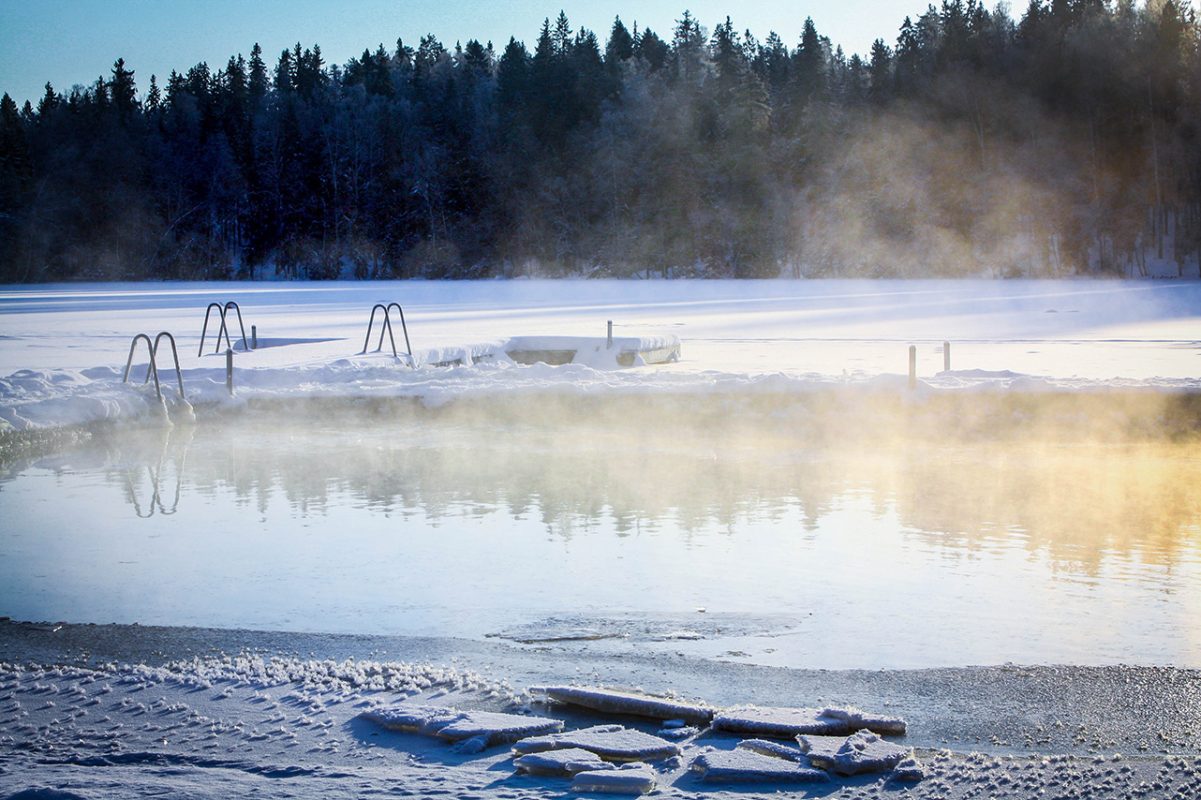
70 42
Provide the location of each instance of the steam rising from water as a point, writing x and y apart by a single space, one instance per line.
897 529
911 194
1081 475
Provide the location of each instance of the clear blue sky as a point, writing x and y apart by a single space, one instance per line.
71 42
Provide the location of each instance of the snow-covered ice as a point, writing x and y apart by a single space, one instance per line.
254 724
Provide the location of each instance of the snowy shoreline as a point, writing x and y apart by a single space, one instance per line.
201 712
63 347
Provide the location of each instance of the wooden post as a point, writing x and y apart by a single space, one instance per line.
946 356
912 366
609 343
229 370
254 337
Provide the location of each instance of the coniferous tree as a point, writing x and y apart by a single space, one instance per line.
709 155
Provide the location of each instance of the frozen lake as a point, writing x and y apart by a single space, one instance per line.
609 524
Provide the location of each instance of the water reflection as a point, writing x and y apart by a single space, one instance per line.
810 538
1076 503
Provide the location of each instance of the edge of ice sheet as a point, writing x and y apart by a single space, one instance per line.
789 722
40 399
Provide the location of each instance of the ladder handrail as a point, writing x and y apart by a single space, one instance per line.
204 331
174 356
222 311
151 368
241 327
403 327
386 327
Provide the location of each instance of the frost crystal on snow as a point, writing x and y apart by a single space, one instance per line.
610 742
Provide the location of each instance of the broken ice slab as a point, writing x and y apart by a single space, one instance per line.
749 766
820 749
562 763
616 701
859 719
610 742
638 779
774 749
789 722
489 727
863 751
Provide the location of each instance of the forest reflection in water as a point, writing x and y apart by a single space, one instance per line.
1076 501
826 531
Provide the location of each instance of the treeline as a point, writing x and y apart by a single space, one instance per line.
1067 141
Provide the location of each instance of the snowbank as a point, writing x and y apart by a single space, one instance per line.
62 348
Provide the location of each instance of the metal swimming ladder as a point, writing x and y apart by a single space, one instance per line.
152 368
387 326
222 310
